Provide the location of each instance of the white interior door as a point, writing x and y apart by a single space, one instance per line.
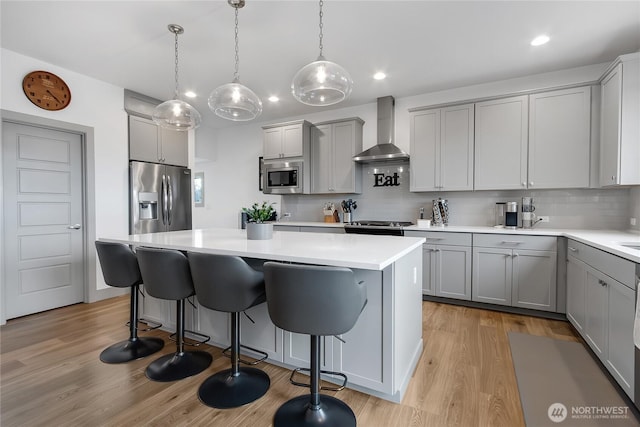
43 219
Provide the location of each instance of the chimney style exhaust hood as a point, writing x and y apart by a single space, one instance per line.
385 149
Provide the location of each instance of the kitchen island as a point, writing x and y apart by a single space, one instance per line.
379 354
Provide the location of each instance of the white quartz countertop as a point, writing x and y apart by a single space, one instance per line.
607 240
341 250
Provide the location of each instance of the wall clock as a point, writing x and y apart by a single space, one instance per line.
46 90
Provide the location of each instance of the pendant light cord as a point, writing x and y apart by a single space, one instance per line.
236 74
321 35
175 95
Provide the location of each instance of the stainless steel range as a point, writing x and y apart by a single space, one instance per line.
381 228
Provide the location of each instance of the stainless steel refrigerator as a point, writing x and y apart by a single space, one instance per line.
160 198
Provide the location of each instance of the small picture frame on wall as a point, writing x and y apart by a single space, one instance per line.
260 169
198 189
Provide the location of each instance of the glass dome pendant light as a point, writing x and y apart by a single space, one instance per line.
321 82
234 101
176 114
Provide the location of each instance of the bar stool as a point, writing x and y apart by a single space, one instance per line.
318 301
120 269
229 284
166 275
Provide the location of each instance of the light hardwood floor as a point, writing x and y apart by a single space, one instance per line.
51 375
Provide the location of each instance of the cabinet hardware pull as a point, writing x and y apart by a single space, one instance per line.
531 183
434 238
524 184
573 249
511 242
515 255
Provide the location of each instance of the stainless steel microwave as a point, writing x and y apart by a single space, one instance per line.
283 177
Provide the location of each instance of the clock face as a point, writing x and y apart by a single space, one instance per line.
46 90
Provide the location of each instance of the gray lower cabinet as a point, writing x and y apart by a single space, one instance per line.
596 308
309 229
260 334
277 227
298 350
621 312
576 292
492 271
446 264
514 270
157 310
331 230
601 299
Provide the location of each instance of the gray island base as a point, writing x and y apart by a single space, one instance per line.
379 355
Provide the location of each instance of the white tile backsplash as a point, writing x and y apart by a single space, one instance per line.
574 208
634 207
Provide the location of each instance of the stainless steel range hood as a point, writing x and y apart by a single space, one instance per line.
385 149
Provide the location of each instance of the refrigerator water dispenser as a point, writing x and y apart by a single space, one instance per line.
148 205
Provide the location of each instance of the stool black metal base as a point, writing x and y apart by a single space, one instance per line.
224 390
131 349
298 412
177 366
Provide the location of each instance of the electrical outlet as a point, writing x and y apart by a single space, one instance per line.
543 218
286 215
632 221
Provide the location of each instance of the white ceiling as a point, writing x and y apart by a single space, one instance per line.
423 46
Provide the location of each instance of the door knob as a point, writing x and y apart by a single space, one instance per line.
74 227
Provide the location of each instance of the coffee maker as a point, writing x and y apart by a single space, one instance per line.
511 215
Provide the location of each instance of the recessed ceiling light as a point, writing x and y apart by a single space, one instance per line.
274 98
540 40
190 94
379 75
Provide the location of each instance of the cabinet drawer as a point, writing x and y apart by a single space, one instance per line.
515 241
442 238
613 266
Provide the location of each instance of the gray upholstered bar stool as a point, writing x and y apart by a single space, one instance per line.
319 301
166 275
229 284
120 269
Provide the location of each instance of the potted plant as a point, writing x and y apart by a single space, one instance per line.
257 215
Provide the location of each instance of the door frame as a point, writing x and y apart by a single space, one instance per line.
91 293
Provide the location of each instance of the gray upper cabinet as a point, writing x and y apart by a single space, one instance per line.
501 132
285 140
619 125
559 138
333 144
442 148
148 142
